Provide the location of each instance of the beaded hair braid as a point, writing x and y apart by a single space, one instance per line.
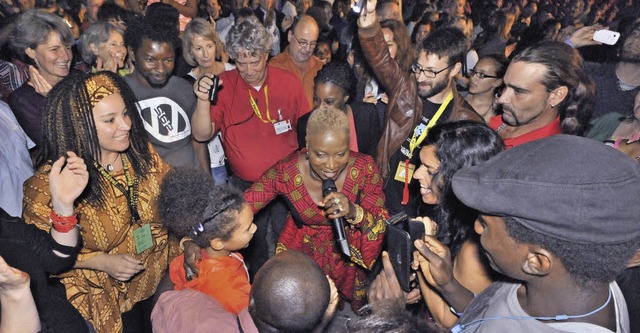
69 126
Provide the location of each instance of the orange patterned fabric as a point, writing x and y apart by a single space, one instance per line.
363 185
107 229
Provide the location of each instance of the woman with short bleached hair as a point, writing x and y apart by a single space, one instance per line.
358 199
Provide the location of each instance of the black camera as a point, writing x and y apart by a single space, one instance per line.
213 91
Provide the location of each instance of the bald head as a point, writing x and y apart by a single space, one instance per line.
303 37
290 293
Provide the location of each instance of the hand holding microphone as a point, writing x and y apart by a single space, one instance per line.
328 187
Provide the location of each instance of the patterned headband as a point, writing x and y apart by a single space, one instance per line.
100 86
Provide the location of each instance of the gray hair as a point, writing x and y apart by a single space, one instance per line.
199 27
33 28
248 38
97 33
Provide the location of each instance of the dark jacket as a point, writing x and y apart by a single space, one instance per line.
30 250
405 105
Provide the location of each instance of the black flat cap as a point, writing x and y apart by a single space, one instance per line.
562 186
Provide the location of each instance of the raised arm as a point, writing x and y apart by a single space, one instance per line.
202 127
67 180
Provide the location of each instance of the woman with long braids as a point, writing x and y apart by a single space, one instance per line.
126 249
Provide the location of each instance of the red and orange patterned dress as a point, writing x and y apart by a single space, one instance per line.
362 186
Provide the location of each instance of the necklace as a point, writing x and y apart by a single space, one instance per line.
109 167
314 174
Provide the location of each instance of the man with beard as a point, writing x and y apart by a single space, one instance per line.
298 58
417 102
165 102
546 92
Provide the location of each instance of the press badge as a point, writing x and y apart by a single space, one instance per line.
401 172
282 126
142 238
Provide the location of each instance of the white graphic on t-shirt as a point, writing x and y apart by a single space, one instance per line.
164 119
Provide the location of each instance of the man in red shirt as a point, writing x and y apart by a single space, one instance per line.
257 111
546 92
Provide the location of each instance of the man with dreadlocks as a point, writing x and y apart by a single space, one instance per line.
126 249
165 101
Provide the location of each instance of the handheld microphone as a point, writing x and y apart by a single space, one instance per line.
329 186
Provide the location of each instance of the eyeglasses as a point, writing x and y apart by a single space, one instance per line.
428 72
481 75
305 43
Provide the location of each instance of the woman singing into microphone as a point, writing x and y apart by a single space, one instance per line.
359 200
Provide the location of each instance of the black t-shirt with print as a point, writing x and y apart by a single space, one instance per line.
394 188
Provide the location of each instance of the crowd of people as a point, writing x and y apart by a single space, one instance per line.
235 166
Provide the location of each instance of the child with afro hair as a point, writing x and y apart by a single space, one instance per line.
220 221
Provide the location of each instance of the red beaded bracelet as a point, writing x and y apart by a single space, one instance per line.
63 224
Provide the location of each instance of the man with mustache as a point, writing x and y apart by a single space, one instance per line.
417 101
546 92
298 58
165 101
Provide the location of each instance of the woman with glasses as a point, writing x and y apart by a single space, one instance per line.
485 79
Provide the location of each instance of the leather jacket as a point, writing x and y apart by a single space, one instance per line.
404 110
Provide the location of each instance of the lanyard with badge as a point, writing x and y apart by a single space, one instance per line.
280 126
142 233
405 169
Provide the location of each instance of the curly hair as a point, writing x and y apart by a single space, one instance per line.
138 30
326 119
565 67
97 33
340 74
191 205
33 28
111 11
588 264
68 125
458 145
447 42
406 55
248 38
